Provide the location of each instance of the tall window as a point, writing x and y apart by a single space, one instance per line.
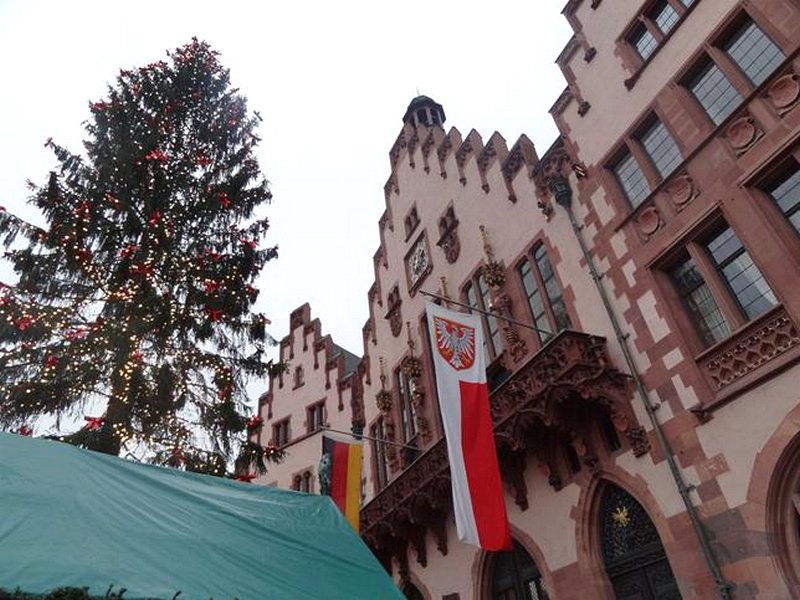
644 41
715 93
315 416
698 300
651 28
753 52
715 81
632 180
377 432
661 148
477 296
786 194
733 262
544 294
280 432
715 267
664 16
408 414
653 146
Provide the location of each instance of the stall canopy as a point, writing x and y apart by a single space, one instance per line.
70 517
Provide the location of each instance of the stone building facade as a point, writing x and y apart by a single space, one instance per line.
645 393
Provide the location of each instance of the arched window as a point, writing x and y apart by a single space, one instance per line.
632 551
514 576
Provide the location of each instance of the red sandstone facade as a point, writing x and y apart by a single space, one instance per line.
650 442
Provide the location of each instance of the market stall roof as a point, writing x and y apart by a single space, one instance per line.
70 517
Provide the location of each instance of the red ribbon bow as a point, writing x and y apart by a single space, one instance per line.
25 430
246 477
214 314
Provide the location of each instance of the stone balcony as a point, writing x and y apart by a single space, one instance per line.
571 371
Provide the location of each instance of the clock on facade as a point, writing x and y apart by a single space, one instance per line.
418 262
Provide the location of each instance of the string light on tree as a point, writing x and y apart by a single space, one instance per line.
137 294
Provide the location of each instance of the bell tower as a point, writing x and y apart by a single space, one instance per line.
424 111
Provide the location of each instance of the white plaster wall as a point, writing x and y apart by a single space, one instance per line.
740 429
601 81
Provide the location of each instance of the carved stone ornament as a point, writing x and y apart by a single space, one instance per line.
383 400
744 354
681 191
394 315
648 221
412 367
448 236
743 133
784 92
637 437
495 274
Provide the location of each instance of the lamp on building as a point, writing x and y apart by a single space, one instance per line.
561 190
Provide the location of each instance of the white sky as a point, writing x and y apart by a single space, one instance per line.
332 81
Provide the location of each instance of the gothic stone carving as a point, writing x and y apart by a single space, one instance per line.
448 236
743 355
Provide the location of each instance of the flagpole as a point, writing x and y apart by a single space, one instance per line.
367 437
486 312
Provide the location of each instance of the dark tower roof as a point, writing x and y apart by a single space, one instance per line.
424 111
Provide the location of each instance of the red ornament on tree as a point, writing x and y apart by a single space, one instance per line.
145 270
214 314
210 286
51 361
24 322
246 477
156 155
224 200
255 422
155 217
25 430
94 423
128 250
270 450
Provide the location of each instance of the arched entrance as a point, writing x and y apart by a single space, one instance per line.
513 576
632 551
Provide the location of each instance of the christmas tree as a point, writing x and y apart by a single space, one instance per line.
133 309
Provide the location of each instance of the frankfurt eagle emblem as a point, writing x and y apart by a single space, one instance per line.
456 343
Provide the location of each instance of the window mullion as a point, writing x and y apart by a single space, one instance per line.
646 165
729 68
650 25
548 309
719 288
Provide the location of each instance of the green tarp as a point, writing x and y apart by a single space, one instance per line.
70 517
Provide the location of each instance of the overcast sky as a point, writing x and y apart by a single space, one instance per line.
332 81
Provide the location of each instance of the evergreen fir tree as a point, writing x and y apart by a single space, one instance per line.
137 295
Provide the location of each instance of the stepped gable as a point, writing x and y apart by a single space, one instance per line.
416 143
471 146
451 140
494 150
523 153
434 137
340 364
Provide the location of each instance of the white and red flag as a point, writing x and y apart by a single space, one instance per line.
480 510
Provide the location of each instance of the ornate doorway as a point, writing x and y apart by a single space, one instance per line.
514 576
632 551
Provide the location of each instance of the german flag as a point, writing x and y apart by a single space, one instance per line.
340 475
